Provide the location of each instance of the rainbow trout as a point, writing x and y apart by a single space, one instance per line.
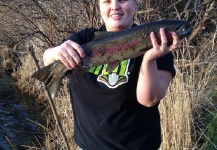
113 47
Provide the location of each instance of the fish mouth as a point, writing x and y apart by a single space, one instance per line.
183 31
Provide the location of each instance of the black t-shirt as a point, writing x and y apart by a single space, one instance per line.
107 115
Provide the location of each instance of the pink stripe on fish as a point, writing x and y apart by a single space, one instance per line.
115 48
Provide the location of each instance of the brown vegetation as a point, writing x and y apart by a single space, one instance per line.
41 24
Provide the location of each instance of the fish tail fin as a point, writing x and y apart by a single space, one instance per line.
52 76
54 86
52 81
42 74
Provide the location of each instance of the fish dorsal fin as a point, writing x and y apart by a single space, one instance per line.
112 66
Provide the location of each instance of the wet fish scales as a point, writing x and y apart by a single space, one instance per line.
112 48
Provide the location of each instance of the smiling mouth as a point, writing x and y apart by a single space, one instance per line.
116 15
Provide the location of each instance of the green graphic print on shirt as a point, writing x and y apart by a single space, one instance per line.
117 77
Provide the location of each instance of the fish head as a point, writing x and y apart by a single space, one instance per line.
181 27
183 30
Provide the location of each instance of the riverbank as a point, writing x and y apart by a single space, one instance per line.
20 116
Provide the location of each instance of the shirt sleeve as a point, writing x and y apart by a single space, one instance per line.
82 36
166 63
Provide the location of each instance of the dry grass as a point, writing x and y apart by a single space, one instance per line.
191 95
176 117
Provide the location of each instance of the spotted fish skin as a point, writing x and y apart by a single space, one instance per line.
113 47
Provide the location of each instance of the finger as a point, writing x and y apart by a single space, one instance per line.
175 43
78 49
163 37
72 62
64 61
76 52
154 40
73 56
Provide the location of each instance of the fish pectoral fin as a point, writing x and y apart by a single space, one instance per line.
112 66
